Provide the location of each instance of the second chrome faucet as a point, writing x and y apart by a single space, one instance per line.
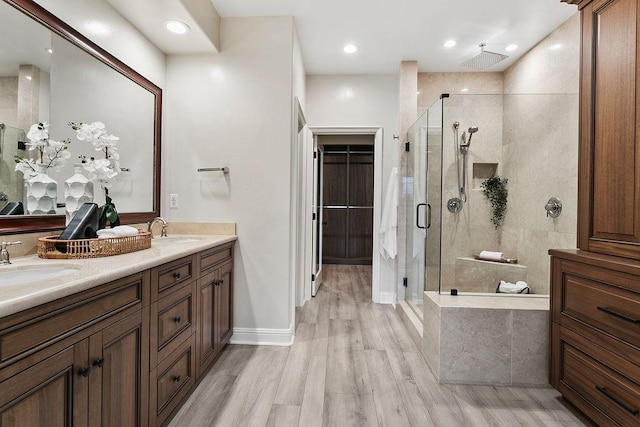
163 233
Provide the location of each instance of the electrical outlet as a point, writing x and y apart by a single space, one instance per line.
173 201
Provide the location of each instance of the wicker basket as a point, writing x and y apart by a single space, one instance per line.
92 248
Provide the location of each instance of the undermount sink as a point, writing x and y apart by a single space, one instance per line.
177 239
25 274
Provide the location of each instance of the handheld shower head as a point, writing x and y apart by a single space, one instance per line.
472 130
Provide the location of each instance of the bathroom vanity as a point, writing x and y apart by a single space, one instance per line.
119 341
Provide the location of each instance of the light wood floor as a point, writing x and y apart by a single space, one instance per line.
353 363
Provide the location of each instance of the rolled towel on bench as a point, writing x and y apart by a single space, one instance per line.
519 287
490 256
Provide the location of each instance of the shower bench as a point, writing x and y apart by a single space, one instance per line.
487 339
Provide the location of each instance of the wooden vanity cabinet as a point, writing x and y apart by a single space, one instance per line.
79 359
126 353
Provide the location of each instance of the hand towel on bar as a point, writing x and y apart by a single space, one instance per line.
490 256
519 287
119 231
389 221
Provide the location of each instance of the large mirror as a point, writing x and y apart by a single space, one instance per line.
51 73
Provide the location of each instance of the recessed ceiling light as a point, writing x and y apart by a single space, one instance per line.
350 48
464 89
511 47
555 46
177 27
450 43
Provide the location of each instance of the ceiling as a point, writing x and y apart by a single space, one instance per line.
385 31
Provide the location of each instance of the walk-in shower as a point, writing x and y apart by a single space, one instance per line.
519 137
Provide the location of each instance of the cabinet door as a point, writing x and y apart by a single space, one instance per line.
609 172
50 393
119 386
223 312
205 339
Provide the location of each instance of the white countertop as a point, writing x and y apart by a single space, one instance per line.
95 271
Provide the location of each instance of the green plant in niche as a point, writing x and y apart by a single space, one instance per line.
495 189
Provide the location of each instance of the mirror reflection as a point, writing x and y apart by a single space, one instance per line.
45 78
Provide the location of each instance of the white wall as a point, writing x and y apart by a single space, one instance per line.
355 101
120 38
235 109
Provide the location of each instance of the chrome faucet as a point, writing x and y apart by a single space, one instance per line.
163 233
4 253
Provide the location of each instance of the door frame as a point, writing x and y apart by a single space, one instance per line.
378 133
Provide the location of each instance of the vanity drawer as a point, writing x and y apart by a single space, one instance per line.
171 381
602 303
172 321
42 326
167 277
215 256
585 377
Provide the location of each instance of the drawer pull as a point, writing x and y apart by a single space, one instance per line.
176 379
619 315
176 275
84 372
177 319
619 402
99 362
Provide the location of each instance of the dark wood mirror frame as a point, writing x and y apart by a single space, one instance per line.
40 223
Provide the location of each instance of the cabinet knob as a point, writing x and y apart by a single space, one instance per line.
176 275
99 362
177 319
84 372
176 379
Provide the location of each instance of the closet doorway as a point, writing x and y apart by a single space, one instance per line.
347 198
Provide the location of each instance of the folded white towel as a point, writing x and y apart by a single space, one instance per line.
519 287
490 256
119 231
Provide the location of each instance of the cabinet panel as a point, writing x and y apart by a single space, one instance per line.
205 336
167 277
120 377
171 381
60 320
172 321
614 189
46 394
223 307
212 257
609 165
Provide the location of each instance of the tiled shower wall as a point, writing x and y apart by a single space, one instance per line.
531 136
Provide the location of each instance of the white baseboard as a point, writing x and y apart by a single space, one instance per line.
262 336
387 298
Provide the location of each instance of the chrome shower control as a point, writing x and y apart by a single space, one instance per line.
454 205
553 207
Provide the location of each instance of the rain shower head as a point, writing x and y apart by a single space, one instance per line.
484 59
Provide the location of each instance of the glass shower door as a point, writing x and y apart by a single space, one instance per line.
417 208
423 191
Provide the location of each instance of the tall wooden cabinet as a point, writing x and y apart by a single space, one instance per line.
595 290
